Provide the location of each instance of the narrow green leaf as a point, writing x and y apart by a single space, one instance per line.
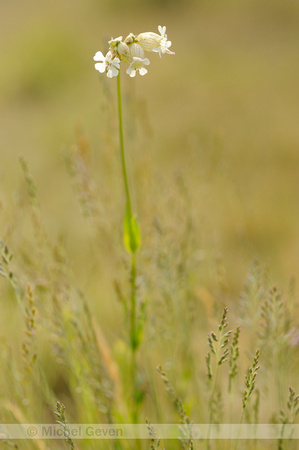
132 235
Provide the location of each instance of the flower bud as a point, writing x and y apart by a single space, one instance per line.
130 39
114 42
123 50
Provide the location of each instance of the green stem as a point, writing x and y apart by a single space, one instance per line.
122 150
133 337
133 304
211 405
239 429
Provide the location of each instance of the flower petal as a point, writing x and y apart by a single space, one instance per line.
162 30
116 63
99 56
114 71
142 70
100 67
130 71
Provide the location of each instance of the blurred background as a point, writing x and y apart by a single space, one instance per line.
218 121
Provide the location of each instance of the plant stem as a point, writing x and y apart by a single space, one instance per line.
211 405
239 429
133 304
133 337
122 150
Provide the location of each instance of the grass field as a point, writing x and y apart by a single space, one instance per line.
211 139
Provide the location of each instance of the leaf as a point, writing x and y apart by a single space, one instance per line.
132 235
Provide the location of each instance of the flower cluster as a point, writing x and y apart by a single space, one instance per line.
131 50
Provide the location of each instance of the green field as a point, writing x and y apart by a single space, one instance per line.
212 149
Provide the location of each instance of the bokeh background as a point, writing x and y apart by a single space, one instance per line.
212 130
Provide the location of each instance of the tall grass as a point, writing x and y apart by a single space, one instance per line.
62 355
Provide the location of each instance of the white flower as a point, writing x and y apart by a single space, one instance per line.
115 41
154 42
164 43
164 48
107 64
137 64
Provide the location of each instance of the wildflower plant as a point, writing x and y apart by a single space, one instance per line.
131 51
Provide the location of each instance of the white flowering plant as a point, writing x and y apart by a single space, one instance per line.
131 50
